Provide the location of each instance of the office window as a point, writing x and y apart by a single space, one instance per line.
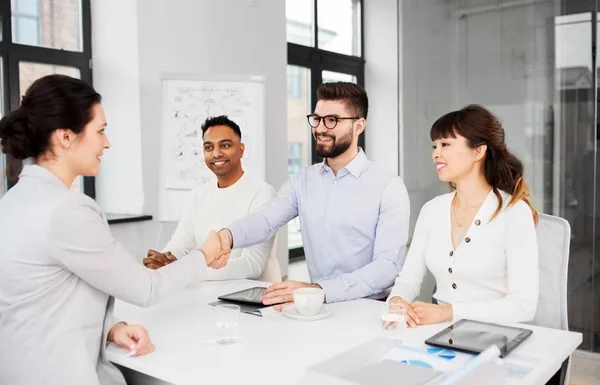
332 54
300 27
39 38
48 23
26 21
331 76
295 79
340 26
294 158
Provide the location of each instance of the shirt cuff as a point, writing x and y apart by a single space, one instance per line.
402 291
332 290
458 311
237 236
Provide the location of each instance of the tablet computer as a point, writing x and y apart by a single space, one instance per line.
475 336
252 295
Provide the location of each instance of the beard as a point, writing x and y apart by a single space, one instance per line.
337 146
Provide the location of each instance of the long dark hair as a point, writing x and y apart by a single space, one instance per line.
52 102
502 169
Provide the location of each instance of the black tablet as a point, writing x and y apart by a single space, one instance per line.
252 295
475 336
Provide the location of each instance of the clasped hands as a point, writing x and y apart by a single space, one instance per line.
421 313
216 249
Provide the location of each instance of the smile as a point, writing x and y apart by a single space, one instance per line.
324 139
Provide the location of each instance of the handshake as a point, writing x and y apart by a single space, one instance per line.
216 249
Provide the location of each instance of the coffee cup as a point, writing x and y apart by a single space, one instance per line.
308 300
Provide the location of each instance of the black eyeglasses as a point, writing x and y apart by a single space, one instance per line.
329 121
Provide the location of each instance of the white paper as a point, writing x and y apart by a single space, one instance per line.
444 360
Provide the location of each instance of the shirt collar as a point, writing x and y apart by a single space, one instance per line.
41 173
356 165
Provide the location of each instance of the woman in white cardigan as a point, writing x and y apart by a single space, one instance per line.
478 241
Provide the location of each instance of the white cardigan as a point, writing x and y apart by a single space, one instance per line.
492 275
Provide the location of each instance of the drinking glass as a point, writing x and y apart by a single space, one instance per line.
226 320
393 321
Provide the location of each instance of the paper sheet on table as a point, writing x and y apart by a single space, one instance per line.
518 365
446 360
439 359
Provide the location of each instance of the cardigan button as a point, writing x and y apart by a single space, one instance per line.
450 270
451 253
467 239
454 286
477 222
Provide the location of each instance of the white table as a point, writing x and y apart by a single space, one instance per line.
277 350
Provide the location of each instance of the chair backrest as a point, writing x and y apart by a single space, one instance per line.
554 239
272 272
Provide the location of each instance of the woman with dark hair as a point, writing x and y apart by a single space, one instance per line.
59 265
478 241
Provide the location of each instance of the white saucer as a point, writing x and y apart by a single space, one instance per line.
292 312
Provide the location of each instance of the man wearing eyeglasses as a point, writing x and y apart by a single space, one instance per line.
354 216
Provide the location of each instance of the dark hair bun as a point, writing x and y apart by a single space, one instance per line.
52 102
17 137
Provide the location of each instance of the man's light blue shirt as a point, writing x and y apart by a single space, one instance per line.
354 226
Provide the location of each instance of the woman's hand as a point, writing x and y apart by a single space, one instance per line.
429 313
132 337
412 318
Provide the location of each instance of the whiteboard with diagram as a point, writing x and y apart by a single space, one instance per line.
188 101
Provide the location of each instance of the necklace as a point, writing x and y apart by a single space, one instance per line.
472 208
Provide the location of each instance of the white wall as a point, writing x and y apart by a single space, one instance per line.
381 82
119 186
229 37
428 72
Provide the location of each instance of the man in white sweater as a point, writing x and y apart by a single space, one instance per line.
215 204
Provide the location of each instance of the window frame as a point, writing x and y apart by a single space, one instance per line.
13 53
318 60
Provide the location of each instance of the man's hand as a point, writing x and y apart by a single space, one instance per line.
412 318
280 294
226 239
156 260
216 256
429 313
132 337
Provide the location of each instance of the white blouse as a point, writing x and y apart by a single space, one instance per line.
492 275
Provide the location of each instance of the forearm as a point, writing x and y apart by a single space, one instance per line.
371 279
503 310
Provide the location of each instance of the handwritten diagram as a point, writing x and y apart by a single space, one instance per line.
188 103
